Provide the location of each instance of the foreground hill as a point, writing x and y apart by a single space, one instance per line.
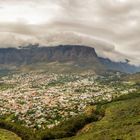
71 56
121 121
7 135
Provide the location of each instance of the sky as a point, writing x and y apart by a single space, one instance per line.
112 27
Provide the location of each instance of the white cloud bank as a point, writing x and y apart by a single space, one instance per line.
111 26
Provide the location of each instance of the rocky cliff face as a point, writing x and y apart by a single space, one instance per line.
32 54
80 55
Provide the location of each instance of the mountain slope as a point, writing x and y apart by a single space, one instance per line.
7 135
121 121
81 56
32 54
133 78
120 66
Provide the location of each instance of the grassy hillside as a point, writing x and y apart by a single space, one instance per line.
133 78
63 67
7 135
121 121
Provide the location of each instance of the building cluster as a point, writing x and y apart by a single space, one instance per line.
40 99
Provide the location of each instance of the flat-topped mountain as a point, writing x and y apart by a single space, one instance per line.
81 56
32 54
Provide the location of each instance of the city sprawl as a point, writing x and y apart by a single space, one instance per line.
40 99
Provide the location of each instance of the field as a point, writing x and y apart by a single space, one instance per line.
7 135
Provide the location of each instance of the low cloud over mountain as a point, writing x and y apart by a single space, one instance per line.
111 27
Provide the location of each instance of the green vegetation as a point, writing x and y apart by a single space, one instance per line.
133 77
23 132
4 86
4 72
70 127
121 121
65 129
7 135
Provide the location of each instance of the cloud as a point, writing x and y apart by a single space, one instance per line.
112 26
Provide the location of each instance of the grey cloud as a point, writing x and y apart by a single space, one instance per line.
112 26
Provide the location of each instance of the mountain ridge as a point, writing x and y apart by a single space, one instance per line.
83 56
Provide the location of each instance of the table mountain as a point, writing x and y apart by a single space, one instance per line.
81 56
